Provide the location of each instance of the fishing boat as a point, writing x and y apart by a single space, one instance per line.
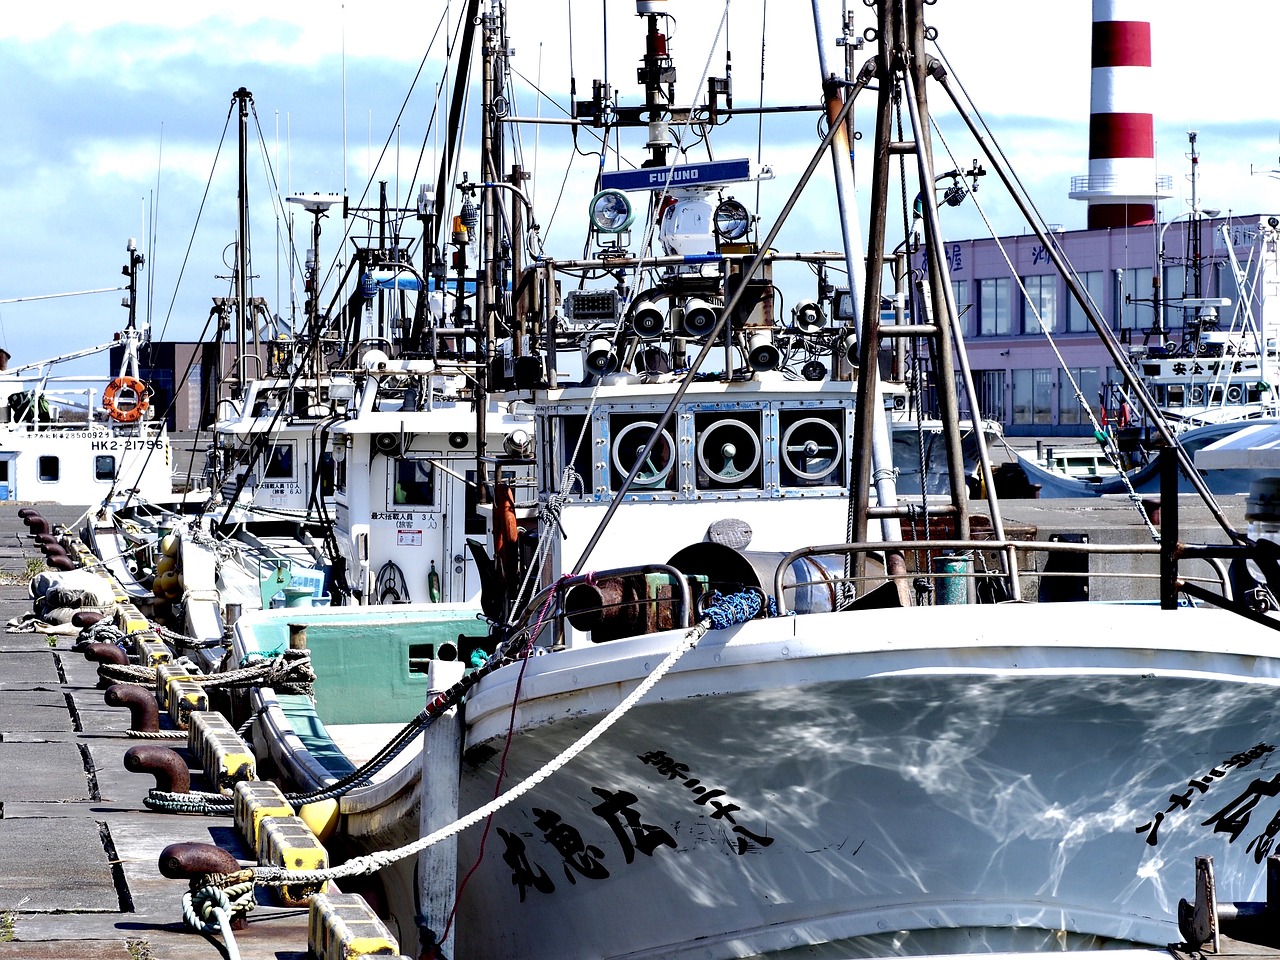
73 439
727 692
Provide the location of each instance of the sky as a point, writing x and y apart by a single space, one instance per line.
117 127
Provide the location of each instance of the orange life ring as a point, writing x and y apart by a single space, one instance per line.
125 399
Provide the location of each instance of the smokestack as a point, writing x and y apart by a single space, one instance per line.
1121 187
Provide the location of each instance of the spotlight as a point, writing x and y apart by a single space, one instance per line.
813 370
518 443
731 220
610 211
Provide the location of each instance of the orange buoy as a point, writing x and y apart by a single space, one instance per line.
126 399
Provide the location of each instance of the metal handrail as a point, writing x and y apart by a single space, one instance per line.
1213 554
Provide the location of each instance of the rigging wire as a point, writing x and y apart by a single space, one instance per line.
1104 438
199 212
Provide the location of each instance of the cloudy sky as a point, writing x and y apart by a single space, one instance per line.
116 114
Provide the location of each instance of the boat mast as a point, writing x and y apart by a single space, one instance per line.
900 66
243 99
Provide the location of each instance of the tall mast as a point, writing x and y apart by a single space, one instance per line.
243 99
901 67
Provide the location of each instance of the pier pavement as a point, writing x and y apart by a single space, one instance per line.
78 850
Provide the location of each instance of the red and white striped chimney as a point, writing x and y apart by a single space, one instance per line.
1121 187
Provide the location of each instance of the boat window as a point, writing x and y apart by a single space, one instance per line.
327 473
475 523
728 450
812 447
414 484
630 434
104 467
570 451
48 469
279 462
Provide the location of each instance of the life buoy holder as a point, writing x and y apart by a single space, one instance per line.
126 399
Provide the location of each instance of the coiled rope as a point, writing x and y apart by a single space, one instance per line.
289 672
213 903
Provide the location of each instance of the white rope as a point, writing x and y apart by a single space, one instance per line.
274 876
210 910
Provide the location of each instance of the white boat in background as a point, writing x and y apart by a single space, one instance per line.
1223 378
77 439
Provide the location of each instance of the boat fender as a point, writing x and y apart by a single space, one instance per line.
126 399
320 817
144 712
163 763
191 861
506 532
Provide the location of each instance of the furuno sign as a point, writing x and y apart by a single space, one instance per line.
682 175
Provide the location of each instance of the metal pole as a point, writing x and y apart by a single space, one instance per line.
851 231
243 99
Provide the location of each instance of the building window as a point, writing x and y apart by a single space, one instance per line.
415 483
1033 395
1045 380
1174 288
990 387
1021 412
994 314
1089 380
104 467
1042 302
964 306
1133 301
47 469
1092 284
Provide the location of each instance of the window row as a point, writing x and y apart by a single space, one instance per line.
996 307
1041 396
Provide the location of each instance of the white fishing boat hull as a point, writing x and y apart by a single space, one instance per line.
992 779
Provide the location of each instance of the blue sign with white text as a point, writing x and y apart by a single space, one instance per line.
681 175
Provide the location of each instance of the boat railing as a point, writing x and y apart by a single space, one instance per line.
950 575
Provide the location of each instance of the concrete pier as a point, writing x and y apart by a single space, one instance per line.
78 850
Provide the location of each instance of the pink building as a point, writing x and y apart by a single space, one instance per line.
1020 380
